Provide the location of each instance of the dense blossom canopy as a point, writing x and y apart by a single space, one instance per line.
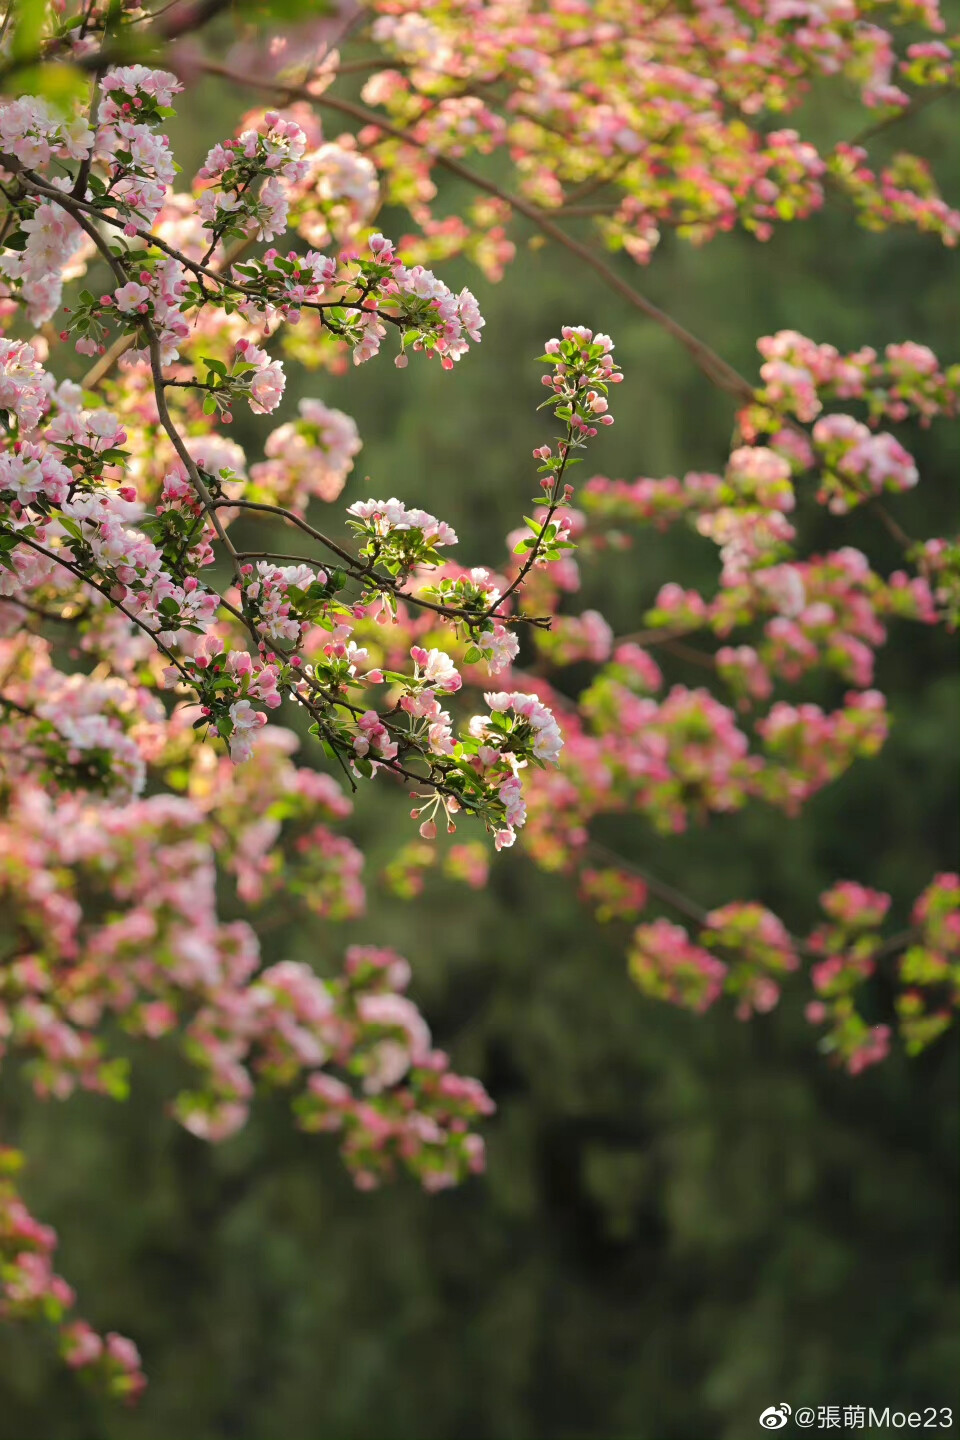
147 660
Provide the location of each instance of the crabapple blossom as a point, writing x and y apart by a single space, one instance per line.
30 1289
665 964
308 458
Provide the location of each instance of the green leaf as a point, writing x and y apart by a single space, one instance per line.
71 526
31 18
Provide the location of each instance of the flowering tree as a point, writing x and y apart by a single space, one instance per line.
143 649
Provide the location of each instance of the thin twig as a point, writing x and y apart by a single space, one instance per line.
713 365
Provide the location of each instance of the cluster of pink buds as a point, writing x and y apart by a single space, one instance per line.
29 1289
583 369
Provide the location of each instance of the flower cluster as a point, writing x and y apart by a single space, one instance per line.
679 124
243 190
930 970
800 376
904 193
136 159
678 758
848 945
613 893
165 963
308 458
667 965
425 1125
762 950
31 1290
400 538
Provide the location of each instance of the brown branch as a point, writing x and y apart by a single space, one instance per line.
278 555
658 635
891 525
103 590
713 365
367 572
918 104
687 652
24 710
695 913
187 460
660 888
531 559
896 943
38 610
105 364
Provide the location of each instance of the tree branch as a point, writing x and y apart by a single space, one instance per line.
708 361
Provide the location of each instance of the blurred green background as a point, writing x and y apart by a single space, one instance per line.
684 1220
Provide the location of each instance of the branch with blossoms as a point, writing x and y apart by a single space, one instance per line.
679 140
247 186
354 1050
676 142
30 1290
112 522
64 501
147 956
670 139
679 759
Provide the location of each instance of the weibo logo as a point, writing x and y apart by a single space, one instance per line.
775 1416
